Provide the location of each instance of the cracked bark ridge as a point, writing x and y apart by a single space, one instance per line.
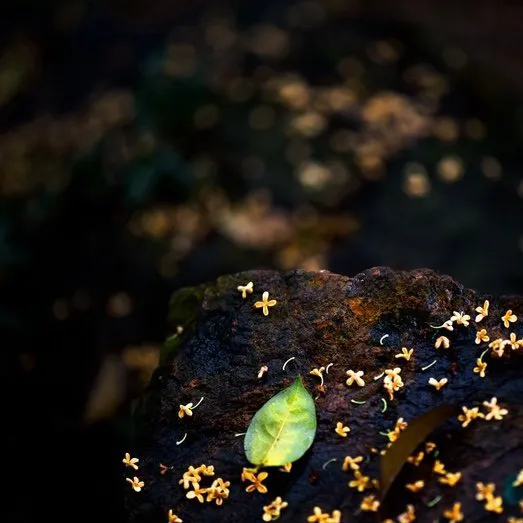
324 318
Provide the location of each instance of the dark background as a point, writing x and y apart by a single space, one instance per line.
145 146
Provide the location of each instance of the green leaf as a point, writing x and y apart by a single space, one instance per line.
283 429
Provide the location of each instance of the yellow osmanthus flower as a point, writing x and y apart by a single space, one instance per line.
206 470
480 368
448 325
408 516
286 468
454 514
482 311
438 384
273 510
416 486
341 430
351 463
265 303
130 462
405 353
319 516
173 518
469 415
439 467
185 410
482 335
416 459
519 480
262 371
390 388
514 343
257 483
318 372
248 474
355 377
135 483
401 424
218 491
514 520
394 434
190 476
460 318
508 318
393 374
497 346
450 478
429 447
360 482
246 289
197 492
442 340
494 410
484 492
494 504
324 517
392 381
370 504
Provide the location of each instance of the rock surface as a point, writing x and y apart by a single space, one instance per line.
357 323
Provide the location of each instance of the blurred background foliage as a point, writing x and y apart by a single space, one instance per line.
145 146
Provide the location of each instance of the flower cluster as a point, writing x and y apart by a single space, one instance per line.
494 412
135 482
217 492
392 381
486 493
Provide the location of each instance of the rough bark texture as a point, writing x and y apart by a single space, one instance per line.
323 318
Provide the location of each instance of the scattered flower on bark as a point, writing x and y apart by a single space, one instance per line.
454 514
460 318
442 340
494 410
341 430
469 415
257 483
480 368
246 289
405 353
481 335
508 318
265 303
272 510
355 377
369 504
438 384
482 311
